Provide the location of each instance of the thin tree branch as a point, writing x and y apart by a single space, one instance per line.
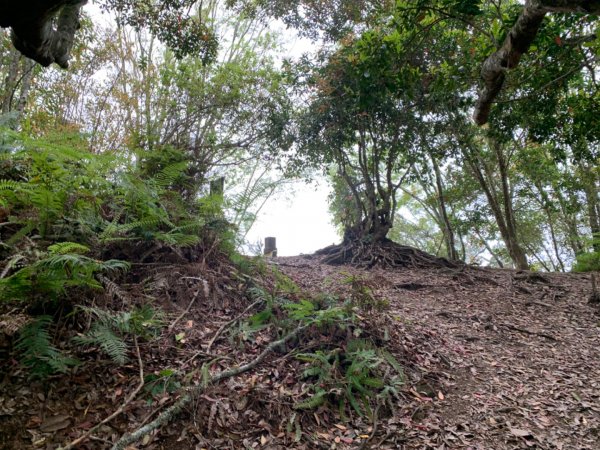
87 434
178 406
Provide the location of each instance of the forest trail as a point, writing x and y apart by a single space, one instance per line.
507 359
493 359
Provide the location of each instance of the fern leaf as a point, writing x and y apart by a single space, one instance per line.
62 248
314 401
102 336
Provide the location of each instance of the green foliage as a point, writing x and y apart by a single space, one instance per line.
61 268
185 33
357 376
165 381
355 373
589 261
36 351
109 329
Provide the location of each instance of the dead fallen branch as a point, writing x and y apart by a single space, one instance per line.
129 399
178 406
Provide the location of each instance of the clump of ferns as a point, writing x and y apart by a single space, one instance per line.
62 267
359 377
111 331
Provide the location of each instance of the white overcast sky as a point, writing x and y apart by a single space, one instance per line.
301 221
300 224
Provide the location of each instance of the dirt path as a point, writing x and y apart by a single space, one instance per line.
510 360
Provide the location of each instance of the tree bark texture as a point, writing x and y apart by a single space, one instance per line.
517 42
34 33
10 82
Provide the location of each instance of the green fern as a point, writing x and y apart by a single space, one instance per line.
103 335
356 377
110 329
37 352
316 399
63 248
170 175
10 185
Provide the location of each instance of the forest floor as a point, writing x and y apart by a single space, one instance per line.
494 359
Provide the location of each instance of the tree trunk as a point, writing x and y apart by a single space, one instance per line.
516 251
517 42
447 230
503 215
10 82
43 30
593 205
26 79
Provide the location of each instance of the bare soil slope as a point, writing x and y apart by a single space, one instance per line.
516 355
494 359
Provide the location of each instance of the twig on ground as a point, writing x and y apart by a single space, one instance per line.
129 399
187 310
228 324
532 333
370 438
178 406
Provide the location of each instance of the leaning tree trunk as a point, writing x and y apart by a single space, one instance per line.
517 43
10 82
593 206
506 225
447 230
43 30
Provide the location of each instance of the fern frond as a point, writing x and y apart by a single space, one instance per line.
46 200
170 174
12 262
113 288
37 352
103 336
113 266
314 401
10 185
23 231
62 248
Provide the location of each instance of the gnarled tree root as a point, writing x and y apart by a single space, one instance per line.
384 253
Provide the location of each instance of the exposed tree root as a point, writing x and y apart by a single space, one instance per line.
384 253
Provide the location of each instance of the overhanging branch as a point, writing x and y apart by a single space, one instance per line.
34 32
517 42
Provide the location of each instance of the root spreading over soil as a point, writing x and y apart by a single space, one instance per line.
385 253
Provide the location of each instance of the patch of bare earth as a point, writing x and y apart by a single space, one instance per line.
514 356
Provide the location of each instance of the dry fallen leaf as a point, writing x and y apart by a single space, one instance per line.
520 433
55 423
